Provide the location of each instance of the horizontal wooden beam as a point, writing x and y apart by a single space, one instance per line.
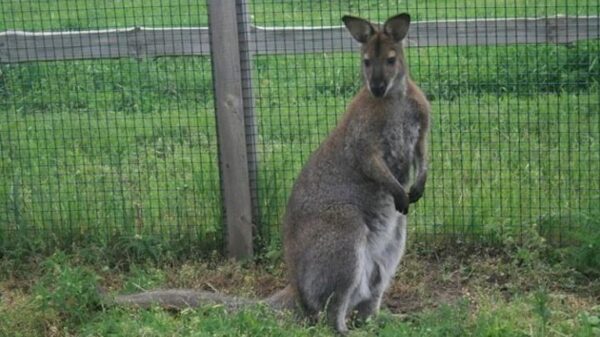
505 31
19 46
138 42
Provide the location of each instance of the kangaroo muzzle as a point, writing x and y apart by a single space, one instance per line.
378 89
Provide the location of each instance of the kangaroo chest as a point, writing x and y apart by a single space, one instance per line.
399 137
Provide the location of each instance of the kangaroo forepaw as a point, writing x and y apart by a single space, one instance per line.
415 193
401 202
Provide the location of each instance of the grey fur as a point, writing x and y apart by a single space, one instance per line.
345 223
344 231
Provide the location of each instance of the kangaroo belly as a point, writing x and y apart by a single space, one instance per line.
382 251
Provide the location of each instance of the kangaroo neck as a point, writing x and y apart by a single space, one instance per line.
385 106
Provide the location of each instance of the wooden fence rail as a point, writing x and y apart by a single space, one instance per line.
138 42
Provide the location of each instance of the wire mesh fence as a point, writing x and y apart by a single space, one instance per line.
108 147
128 146
514 141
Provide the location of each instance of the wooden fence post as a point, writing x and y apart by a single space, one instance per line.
246 54
225 54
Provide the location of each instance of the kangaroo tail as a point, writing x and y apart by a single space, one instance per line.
283 300
178 299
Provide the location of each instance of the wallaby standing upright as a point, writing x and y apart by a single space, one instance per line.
345 222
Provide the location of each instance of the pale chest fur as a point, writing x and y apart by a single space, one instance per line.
399 138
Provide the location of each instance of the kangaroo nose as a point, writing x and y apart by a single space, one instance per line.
378 89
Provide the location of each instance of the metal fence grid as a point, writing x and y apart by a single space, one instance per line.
108 147
515 137
129 146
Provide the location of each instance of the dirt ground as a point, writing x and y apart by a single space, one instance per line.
423 280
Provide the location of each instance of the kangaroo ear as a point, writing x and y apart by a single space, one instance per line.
397 26
360 29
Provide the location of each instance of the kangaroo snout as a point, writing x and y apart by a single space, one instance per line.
378 89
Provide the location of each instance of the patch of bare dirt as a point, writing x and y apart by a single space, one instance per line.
424 283
228 278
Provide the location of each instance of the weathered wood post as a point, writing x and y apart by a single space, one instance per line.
247 50
229 98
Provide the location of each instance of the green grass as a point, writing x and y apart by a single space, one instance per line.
109 148
465 293
98 149
72 15
512 144
495 161
86 14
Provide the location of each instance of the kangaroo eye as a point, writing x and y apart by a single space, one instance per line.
391 61
367 62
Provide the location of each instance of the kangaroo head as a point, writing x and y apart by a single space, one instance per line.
383 64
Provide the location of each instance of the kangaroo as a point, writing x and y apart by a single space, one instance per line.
345 225
344 230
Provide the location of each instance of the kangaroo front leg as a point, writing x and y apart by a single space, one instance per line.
416 190
376 168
